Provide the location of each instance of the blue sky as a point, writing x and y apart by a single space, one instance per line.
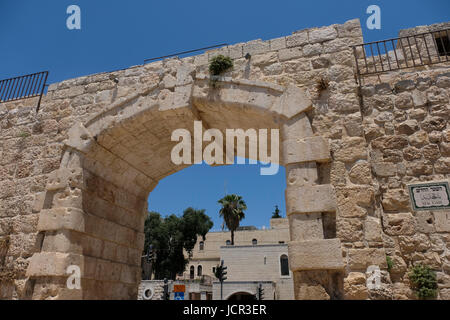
119 34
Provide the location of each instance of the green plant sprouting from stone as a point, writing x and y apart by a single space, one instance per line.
389 263
220 64
423 281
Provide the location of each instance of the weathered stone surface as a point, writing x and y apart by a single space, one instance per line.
306 150
360 173
305 227
325 254
52 264
309 199
372 229
322 34
355 286
352 201
384 169
442 221
361 259
349 229
398 224
350 150
396 200
408 127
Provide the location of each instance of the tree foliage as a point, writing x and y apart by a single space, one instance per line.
276 213
232 212
170 235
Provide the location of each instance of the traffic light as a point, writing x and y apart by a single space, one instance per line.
221 272
260 292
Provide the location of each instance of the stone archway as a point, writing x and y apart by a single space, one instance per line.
95 203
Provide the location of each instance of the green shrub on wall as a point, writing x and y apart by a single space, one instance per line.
423 281
390 263
220 64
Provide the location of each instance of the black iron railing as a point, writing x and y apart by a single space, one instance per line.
403 52
23 87
184 52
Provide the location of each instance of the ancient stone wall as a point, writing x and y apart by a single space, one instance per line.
406 124
74 177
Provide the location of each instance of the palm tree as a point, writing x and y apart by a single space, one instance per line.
232 212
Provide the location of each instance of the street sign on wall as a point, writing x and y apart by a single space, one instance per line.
179 296
430 196
179 288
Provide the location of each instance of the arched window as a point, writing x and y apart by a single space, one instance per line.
201 245
191 272
228 242
199 271
284 265
254 242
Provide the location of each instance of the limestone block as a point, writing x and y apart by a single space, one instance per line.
442 221
256 47
296 127
80 138
309 199
278 43
325 254
38 203
322 34
355 286
338 173
301 174
408 127
65 177
349 229
384 169
303 227
293 101
350 149
352 201
306 150
425 221
297 39
236 51
396 200
361 259
398 224
372 228
61 219
311 292
52 264
312 50
360 173
289 53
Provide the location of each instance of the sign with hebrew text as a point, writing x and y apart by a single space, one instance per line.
430 196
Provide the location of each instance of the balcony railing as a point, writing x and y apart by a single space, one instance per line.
23 87
403 52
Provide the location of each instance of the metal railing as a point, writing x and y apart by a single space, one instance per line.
23 87
185 52
403 52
